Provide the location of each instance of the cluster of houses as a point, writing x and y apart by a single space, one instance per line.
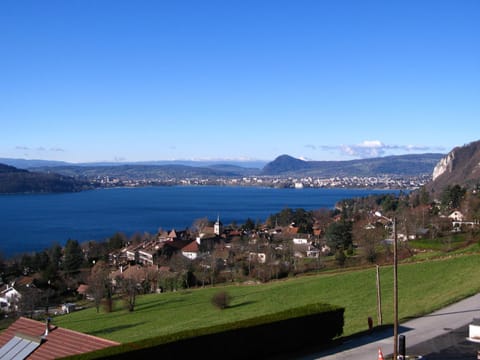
168 243
135 258
181 242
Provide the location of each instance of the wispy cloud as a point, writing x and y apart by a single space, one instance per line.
39 148
375 148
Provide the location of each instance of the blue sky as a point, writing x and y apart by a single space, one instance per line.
99 80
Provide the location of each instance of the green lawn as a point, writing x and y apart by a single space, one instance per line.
423 287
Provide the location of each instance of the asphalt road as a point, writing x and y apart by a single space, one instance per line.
440 335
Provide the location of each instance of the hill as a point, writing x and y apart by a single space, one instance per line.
401 165
157 172
13 181
461 166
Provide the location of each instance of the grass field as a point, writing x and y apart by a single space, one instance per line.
423 287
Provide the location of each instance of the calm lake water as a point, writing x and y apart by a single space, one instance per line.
33 222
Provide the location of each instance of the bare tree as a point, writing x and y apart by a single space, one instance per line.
131 286
30 298
199 225
99 283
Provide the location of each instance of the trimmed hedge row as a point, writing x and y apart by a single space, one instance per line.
259 337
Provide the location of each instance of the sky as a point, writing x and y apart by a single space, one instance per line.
139 80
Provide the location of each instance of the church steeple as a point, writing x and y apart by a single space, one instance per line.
217 227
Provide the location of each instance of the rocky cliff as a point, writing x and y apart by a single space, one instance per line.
461 166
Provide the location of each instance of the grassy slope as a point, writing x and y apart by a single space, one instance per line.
423 287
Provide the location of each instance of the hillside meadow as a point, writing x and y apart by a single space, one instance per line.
423 287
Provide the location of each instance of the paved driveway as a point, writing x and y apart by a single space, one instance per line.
440 335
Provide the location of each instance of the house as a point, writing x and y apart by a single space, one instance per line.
83 290
325 249
456 216
9 298
67 308
258 257
292 229
135 272
147 256
299 241
191 250
35 340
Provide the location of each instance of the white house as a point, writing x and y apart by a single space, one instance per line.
456 216
8 298
259 257
298 241
191 250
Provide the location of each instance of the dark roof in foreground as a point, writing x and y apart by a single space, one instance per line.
59 342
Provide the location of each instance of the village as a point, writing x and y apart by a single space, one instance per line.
289 243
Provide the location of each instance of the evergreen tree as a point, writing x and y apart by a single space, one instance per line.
339 235
73 256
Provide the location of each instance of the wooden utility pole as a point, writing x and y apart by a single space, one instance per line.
379 298
395 290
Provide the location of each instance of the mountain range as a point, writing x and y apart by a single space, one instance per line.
52 176
284 165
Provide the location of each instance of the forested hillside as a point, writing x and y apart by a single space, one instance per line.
13 181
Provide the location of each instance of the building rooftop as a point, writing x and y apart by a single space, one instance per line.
57 342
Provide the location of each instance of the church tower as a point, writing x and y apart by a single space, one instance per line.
217 227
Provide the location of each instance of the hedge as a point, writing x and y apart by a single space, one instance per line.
259 337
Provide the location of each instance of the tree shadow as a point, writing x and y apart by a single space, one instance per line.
114 329
245 303
157 304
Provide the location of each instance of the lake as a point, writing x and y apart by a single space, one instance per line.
33 222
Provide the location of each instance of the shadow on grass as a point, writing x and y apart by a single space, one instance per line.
245 303
114 329
157 304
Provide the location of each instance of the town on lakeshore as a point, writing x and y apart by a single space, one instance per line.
373 182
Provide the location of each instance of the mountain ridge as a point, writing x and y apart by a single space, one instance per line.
461 166
15 181
402 165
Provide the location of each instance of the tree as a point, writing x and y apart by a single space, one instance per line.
199 225
73 256
131 288
98 283
452 197
30 298
55 256
249 224
339 235
340 257
117 241
368 238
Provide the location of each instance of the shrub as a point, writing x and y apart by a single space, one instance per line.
221 300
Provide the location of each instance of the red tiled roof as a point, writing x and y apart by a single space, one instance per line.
192 247
59 342
82 289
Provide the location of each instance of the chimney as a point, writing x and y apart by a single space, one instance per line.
47 326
